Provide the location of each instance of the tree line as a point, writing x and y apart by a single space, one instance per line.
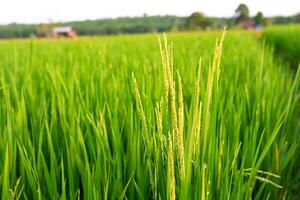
146 23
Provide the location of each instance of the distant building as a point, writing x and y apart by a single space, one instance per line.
63 31
247 24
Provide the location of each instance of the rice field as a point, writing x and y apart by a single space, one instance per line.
285 40
176 116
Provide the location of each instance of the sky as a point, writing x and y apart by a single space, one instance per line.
37 11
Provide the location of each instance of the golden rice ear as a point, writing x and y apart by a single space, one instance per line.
177 116
181 106
180 137
165 73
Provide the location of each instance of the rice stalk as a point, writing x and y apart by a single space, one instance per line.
171 170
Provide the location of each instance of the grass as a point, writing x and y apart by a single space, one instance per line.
285 42
129 117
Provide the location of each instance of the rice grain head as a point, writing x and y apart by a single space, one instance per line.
140 105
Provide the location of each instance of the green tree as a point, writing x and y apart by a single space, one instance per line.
297 18
259 19
198 21
44 30
242 12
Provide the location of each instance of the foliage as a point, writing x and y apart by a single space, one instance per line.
128 25
134 25
99 27
259 19
17 30
120 117
242 12
285 40
44 30
198 21
286 19
297 18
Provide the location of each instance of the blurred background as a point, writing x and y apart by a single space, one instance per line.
33 18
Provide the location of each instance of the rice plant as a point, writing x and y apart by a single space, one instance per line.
285 39
185 116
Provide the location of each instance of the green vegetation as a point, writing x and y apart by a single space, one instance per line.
99 27
17 30
128 25
285 40
198 21
123 117
259 19
286 20
242 12
144 24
